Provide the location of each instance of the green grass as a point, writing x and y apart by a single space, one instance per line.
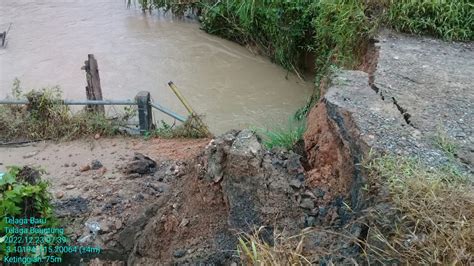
445 143
446 19
283 136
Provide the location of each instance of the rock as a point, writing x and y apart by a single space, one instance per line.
141 165
66 165
184 222
73 164
59 194
133 176
310 221
307 204
97 136
77 174
96 164
179 253
69 187
30 154
293 164
295 183
85 168
139 197
102 171
118 224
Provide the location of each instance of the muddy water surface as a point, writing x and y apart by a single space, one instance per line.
49 41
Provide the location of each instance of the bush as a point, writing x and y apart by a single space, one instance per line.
23 195
45 118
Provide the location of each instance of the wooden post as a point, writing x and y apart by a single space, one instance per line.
93 89
3 36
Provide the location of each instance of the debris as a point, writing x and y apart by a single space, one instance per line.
30 154
307 203
295 183
179 253
96 164
140 164
93 226
184 222
85 168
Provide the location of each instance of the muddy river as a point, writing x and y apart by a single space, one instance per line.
49 41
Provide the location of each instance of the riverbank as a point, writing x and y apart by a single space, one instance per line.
383 175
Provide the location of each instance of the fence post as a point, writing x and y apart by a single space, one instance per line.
145 116
93 89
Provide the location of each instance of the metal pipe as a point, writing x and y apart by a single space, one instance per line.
99 102
78 102
104 102
168 112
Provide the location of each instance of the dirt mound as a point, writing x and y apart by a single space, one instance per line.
235 186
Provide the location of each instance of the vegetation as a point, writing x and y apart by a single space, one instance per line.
45 118
193 127
422 223
285 136
413 219
24 195
450 20
335 31
445 143
252 250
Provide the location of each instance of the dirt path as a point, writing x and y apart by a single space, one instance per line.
106 195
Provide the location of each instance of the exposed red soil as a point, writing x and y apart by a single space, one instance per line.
331 166
194 214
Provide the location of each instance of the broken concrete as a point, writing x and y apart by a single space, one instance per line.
430 83
399 114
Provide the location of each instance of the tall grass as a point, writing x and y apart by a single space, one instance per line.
280 29
447 19
284 136
428 214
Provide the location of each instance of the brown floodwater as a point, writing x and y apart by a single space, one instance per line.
49 41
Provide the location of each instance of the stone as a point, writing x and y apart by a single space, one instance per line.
97 136
73 164
179 253
66 165
184 222
85 168
307 203
96 164
295 183
310 221
69 187
59 194
30 154
118 224
141 165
